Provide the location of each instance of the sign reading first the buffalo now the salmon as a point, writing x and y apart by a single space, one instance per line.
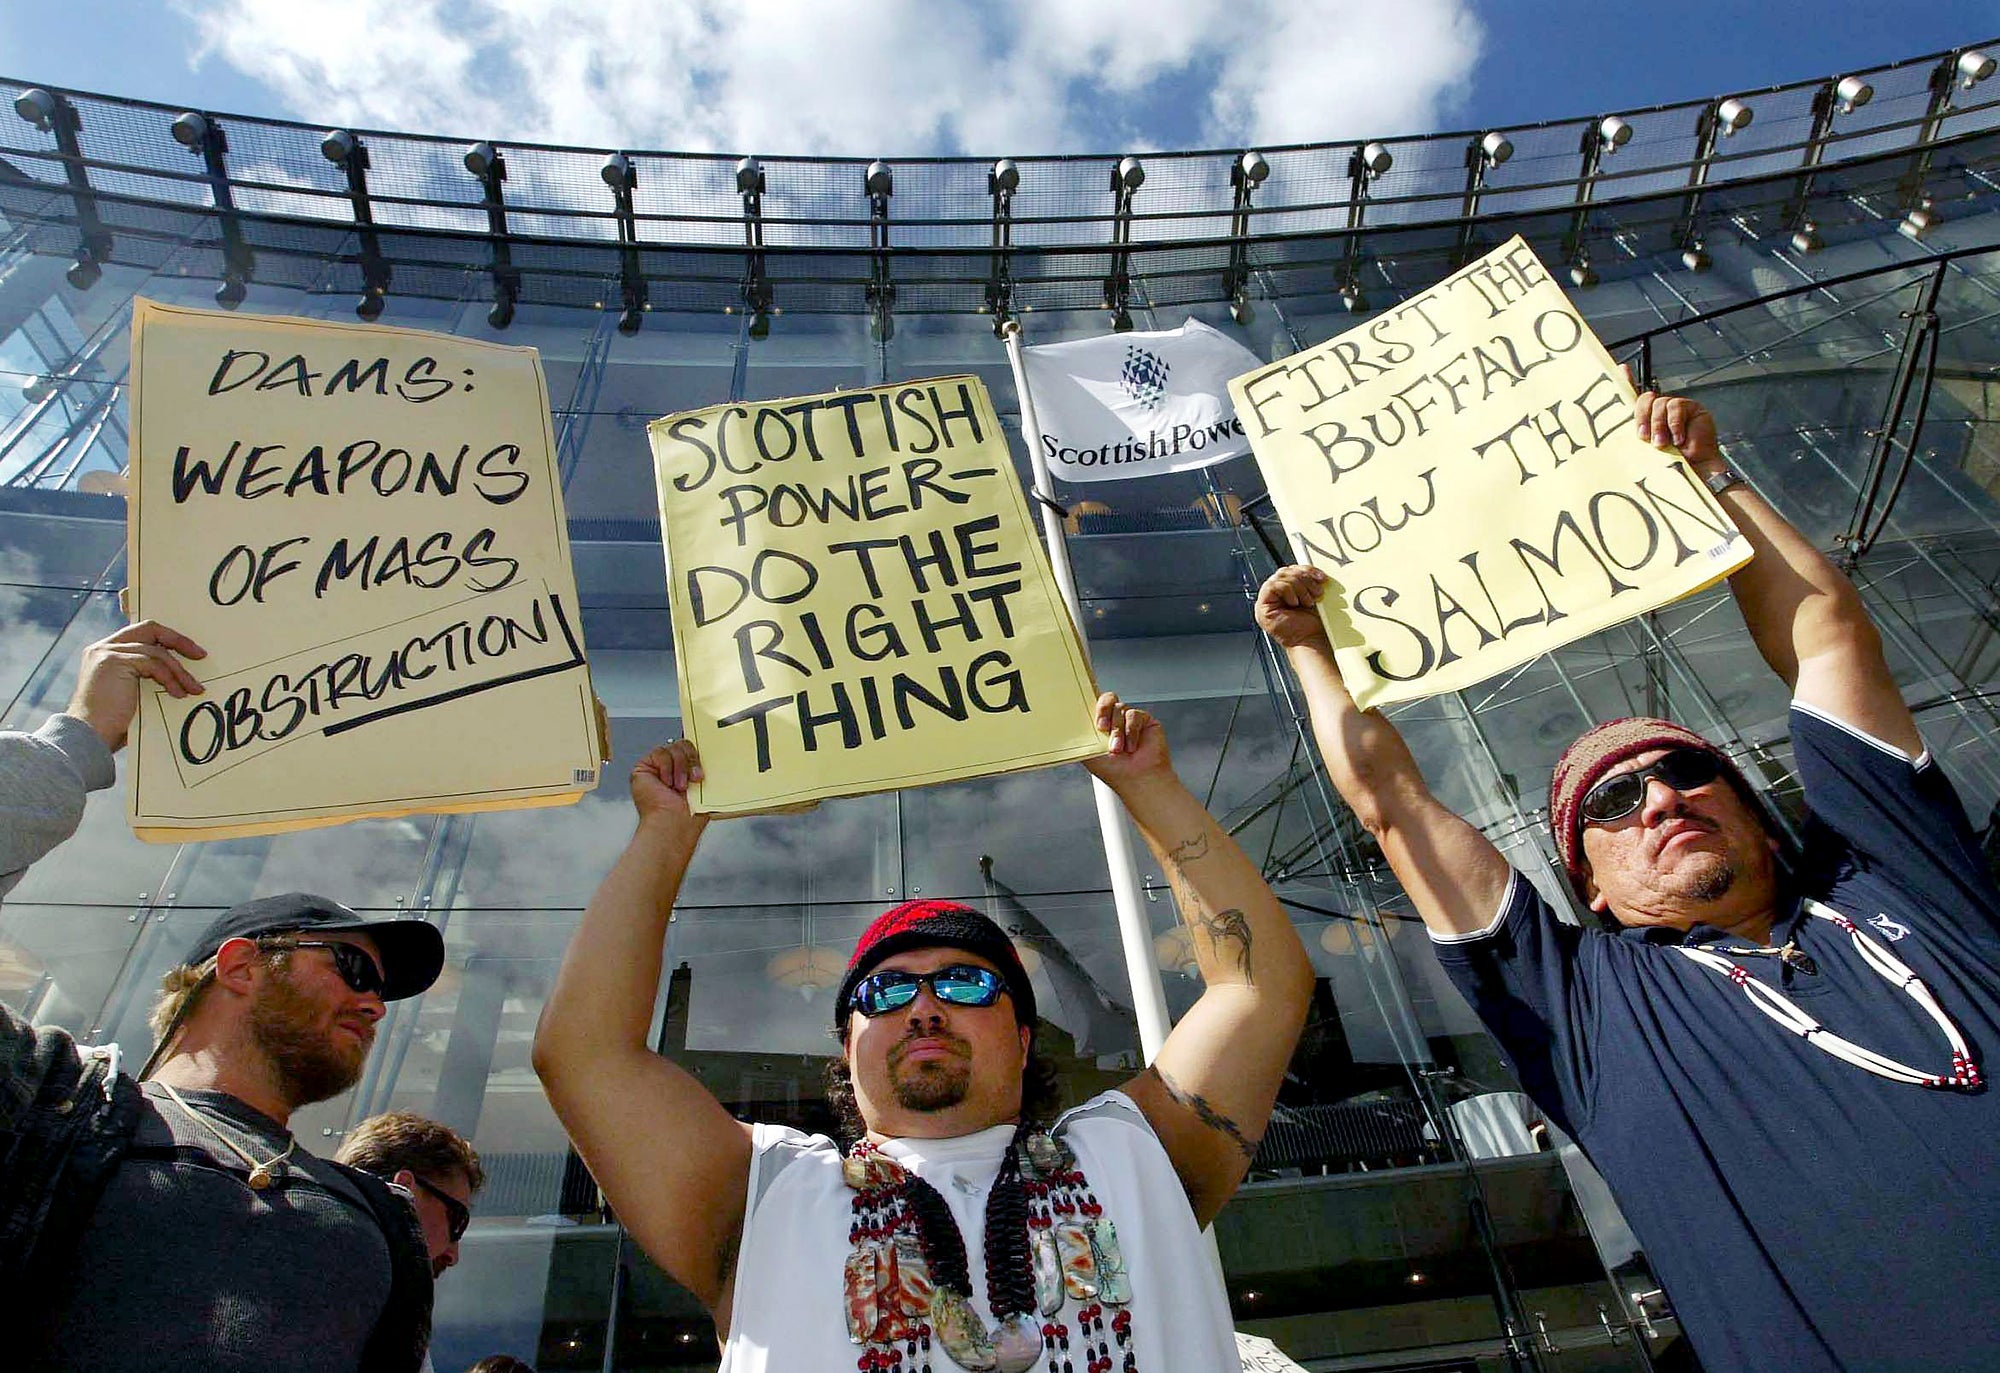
364 528
1466 469
859 600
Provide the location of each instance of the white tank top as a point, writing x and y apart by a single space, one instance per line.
789 1311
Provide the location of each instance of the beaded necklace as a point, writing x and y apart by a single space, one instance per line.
1047 1242
1963 1073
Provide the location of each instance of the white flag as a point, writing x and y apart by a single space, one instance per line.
1130 405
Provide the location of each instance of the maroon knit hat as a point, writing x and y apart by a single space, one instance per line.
929 925
1597 752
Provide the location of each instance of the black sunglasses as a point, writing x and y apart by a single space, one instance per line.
959 985
351 961
1683 769
457 1215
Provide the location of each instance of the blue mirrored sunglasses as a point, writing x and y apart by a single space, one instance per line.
961 984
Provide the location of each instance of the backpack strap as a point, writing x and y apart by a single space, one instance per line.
402 1335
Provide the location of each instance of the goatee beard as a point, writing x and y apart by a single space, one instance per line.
309 1065
1714 881
934 1087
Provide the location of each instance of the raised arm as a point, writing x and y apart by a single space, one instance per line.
1454 876
672 1162
1208 1095
1804 616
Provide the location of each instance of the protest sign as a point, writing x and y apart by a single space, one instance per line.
859 601
364 528
1131 405
1466 469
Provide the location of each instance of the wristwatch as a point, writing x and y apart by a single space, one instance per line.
1722 479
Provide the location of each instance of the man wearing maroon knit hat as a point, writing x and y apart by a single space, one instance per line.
961 1228
1772 1056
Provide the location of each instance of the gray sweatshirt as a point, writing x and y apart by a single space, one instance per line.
44 777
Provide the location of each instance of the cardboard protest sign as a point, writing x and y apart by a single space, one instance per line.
364 528
859 600
1466 469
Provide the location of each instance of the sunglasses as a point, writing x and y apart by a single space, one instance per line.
457 1214
959 985
352 962
1683 769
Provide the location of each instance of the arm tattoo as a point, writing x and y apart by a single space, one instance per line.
1218 927
1206 1113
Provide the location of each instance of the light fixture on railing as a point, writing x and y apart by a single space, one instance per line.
1130 173
1613 133
1918 220
1496 148
1852 93
337 146
1695 258
38 107
1974 66
806 969
1582 275
1806 239
1733 114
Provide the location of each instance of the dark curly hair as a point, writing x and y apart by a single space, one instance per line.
1041 1094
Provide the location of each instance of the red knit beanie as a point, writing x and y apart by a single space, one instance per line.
1601 749
928 925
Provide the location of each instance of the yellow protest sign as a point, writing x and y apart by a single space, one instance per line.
1466 469
364 528
859 601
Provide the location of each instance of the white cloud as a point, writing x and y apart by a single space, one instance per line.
857 77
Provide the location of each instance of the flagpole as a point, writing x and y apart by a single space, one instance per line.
1149 997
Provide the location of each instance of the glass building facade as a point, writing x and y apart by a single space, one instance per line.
1826 276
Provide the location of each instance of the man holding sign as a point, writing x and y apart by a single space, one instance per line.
961 1230
1773 1061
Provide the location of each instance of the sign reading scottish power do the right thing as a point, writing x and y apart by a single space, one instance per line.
1465 468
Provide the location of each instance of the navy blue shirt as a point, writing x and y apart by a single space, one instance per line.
1803 1213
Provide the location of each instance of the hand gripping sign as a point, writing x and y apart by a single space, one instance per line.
859 600
364 528
1466 469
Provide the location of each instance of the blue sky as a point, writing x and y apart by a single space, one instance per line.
910 77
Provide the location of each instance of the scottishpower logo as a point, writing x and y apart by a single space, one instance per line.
1144 377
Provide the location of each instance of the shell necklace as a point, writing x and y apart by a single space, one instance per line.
1046 1241
263 1174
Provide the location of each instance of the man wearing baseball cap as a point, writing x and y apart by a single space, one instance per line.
1773 1056
173 1220
960 1227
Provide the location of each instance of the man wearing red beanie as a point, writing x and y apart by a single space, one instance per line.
1773 1060
960 1230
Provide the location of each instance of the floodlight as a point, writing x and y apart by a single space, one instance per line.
1240 310
85 273
617 172
1613 133
1974 67
1254 167
879 180
1005 176
1733 114
190 130
1496 148
1376 158
38 107
35 390
630 319
230 293
1128 175
370 304
1582 275
479 158
1919 221
749 176
1354 298
502 313
1806 239
1852 93
1121 321
760 324
337 146
1695 258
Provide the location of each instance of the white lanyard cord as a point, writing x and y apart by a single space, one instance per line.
1964 1074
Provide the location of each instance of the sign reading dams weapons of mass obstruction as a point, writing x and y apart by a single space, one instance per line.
1465 468
364 528
859 601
